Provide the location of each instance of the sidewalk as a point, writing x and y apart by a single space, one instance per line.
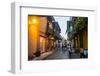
44 55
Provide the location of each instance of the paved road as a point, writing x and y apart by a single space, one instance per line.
62 54
59 54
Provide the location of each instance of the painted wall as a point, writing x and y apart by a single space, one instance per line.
33 34
85 39
36 30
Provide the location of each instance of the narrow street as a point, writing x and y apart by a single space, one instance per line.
55 37
59 54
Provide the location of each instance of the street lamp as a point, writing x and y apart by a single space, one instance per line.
34 20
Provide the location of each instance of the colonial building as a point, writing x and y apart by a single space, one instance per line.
77 30
43 32
53 32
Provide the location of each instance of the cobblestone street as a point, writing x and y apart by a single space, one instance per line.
59 54
62 54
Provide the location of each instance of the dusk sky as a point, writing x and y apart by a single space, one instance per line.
62 21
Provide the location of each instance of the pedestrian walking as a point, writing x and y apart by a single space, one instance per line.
69 50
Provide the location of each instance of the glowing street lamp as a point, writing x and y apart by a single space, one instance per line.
34 21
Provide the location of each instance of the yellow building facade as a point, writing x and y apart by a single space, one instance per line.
33 34
37 39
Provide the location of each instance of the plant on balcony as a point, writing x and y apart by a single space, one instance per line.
80 23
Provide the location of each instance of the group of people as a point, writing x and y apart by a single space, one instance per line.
84 53
66 47
70 48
